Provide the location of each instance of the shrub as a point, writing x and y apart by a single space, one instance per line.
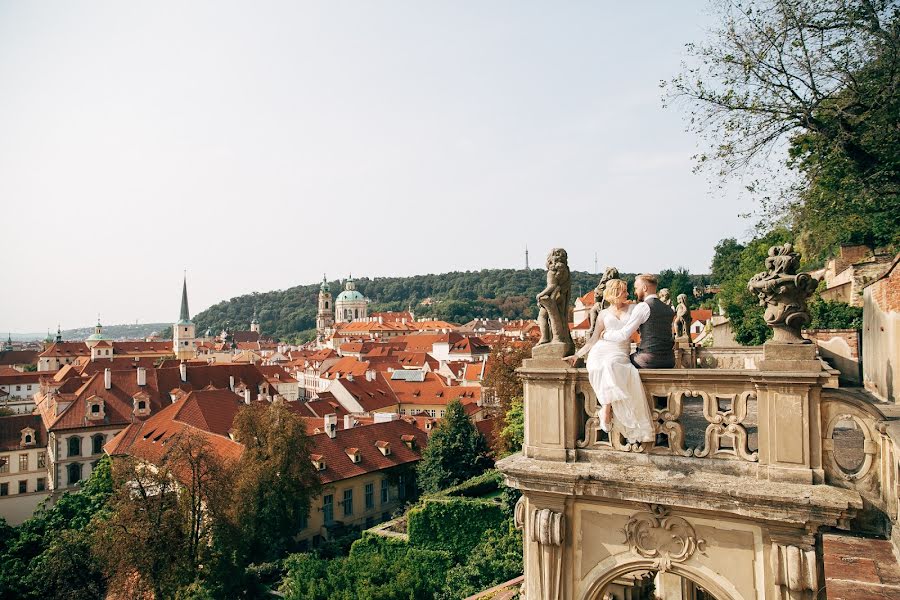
455 525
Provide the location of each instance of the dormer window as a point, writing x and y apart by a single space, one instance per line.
318 461
354 454
409 441
383 447
141 404
28 438
95 409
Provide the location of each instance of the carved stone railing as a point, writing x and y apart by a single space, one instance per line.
693 416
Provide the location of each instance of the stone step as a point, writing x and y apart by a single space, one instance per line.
859 568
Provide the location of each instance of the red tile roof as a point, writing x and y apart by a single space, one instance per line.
11 431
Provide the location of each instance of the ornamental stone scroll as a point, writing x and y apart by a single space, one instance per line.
548 529
796 572
655 533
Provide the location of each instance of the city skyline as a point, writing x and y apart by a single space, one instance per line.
258 150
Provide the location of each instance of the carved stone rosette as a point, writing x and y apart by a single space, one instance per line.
548 529
796 572
784 293
668 539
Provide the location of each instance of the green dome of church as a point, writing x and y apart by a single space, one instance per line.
350 295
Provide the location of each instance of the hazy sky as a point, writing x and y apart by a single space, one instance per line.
258 145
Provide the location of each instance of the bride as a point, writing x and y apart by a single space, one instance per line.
614 379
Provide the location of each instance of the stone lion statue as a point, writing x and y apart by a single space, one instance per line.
682 318
553 303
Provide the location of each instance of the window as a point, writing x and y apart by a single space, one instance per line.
29 387
4 489
4 464
348 502
74 472
401 489
385 492
18 388
42 460
97 443
304 521
328 508
370 496
23 486
23 462
41 484
75 443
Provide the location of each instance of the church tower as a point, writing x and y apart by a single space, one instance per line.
350 305
184 342
254 324
324 316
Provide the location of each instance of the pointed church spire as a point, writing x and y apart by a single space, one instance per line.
185 316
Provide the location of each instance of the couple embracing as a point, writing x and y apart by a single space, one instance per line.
611 371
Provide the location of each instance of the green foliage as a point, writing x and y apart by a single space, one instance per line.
194 591
680 281
455 525
456 451
48 555
738 266
820 77
829 314
275 482
457 297
497 558
512 435
378 571
481 485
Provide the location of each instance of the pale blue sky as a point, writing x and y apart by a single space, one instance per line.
261 144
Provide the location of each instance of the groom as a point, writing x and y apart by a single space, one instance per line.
653 319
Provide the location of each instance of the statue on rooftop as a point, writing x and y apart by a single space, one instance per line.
599 302
784 293
553 313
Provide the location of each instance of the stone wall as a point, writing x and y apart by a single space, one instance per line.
881 335
840 349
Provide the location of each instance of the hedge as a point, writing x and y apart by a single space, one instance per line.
455 525
478 486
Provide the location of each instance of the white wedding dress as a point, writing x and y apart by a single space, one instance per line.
617 382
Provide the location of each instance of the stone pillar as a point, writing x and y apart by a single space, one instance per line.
788 393
796 572
551 427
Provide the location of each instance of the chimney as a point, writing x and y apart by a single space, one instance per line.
141 376
182 367
231 382
107 378
331 425
246 395
348 422
370 375
349 376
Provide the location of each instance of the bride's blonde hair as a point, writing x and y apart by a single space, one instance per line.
614 288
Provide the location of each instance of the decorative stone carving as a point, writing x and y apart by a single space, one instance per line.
519 513
553 316
548 529
665 296
784 293
668 539
796 573
599 302
682 318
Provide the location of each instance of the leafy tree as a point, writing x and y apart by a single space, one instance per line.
501 381
829 314
678 281
275 481
512 436
496 559
740 305
818 76
726 260
456 451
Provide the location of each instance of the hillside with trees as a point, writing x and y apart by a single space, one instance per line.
458 297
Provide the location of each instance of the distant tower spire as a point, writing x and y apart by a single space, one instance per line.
527 268
185 315
58 333
596 268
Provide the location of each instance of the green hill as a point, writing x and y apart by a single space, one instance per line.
457 297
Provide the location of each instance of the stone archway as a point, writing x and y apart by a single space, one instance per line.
604 573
